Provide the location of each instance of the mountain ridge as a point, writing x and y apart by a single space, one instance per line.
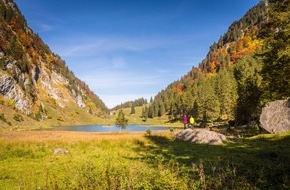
229 84
36 82
212 90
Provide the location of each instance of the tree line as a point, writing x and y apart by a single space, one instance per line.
132 104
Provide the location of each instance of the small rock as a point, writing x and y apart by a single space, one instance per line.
60 151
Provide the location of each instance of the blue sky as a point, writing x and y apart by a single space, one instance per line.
128 49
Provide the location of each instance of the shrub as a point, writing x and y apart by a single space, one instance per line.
148 132
2 117
18 117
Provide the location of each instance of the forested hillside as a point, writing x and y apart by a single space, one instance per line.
131 104
34 81
248 66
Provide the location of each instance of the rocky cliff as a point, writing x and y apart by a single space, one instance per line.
36 82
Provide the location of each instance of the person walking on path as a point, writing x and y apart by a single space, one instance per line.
185 121
191 121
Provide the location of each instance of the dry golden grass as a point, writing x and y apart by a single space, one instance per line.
61 135
70 136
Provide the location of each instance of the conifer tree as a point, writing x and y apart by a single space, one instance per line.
156 108
226 88
209 106
195 110
14 48
276 68
133 109
187 101
161 109
145 113
249 89
151 111
121 120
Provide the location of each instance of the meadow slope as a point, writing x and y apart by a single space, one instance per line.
139 161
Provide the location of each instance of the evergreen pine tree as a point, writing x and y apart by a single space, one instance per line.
146 113
195 110
161 109
276 68
156 108
133 109
226 88
151 111
209 105
249 89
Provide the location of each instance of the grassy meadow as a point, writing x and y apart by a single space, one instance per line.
139 161
137 119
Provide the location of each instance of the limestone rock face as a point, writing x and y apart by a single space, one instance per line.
80 102
10 90
275 117
54 85
201 136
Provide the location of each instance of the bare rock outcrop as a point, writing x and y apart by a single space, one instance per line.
10 90
275 117
79 101
201 136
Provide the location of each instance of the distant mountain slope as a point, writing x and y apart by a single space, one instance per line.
131 104
36 82
230 83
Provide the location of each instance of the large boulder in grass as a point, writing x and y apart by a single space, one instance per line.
201 136
275 117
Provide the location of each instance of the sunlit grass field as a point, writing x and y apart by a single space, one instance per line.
139 161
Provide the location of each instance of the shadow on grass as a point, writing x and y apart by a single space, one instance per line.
263 162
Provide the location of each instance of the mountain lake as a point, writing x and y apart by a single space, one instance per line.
107 128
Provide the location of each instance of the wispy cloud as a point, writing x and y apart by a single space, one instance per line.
45 27
118 80
84 45
114 66
117 87
92 45
43 21
119 63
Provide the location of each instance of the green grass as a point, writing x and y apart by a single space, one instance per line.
140 161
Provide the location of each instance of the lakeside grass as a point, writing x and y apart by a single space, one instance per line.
137 161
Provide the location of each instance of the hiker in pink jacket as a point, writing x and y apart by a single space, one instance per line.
185 121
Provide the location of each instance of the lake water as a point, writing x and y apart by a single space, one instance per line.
103 128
